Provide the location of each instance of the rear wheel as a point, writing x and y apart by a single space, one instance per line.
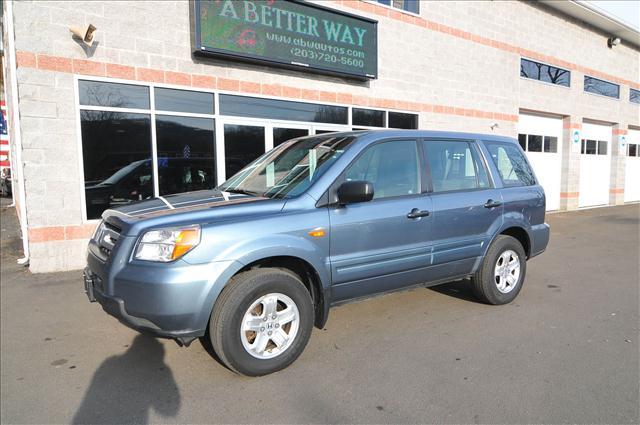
501 275
262 321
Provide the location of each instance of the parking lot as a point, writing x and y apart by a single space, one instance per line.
565 351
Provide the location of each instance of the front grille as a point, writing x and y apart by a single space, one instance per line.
106 238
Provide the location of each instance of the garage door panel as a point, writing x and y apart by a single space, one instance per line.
632 168
543 144
595 168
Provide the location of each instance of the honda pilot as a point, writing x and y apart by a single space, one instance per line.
253 264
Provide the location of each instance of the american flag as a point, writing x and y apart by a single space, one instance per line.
4 137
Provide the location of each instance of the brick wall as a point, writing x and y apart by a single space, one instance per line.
457 65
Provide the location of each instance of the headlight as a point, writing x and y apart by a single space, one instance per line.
166 245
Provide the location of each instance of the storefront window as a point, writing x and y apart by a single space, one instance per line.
186 155
242 106
183 101
368 117
404 121
281 135
116 151
242 144
125 127
95 93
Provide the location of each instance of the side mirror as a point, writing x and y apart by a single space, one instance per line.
353 192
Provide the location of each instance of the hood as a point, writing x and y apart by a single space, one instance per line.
188 208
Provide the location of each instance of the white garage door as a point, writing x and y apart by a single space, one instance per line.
595 165
632 167
541 138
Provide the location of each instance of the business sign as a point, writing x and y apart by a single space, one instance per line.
288 33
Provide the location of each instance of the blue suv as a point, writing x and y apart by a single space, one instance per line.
255 263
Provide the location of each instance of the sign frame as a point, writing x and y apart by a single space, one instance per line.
204 51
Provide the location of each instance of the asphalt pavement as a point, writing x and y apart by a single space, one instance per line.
566 351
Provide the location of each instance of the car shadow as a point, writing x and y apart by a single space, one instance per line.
460 289
126 387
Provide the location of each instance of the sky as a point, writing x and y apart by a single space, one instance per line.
627 11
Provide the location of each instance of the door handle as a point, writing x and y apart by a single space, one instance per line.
492 204
416 213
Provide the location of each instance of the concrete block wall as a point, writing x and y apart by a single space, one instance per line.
457 65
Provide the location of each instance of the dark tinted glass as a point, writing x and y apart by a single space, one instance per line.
512 166
454 166
183 101
633 149
186 158
550 144
634 95
242 144
326 131
408 5
115 95
281 135
368 117
591 147
405 121
116 152
282 109
535 143
392 167
546 73
602 147
604 88
522 140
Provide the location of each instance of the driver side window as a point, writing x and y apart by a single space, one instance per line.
392 167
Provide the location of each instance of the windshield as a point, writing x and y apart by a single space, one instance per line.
118 175
289 169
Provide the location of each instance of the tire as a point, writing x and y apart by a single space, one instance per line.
494 284
245 301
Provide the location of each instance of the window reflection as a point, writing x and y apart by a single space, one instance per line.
604 88
542 72
404 121
243 106
183 101
242 144
116 150
186 155
281 135
368 117
114 95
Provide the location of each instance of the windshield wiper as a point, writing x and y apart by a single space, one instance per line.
241 191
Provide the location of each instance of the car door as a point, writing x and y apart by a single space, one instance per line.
467 209
382 244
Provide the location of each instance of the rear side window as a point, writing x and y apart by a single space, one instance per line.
392 167
511 164
454 165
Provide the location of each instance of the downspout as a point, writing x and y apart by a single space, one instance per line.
17 134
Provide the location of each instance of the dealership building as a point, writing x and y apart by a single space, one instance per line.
153 98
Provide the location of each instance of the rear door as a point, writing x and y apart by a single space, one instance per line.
378 245
467 209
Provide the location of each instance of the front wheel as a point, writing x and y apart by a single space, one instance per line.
262 321
501 275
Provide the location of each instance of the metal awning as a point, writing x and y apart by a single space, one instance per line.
597 17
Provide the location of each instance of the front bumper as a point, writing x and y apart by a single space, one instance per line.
169 301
